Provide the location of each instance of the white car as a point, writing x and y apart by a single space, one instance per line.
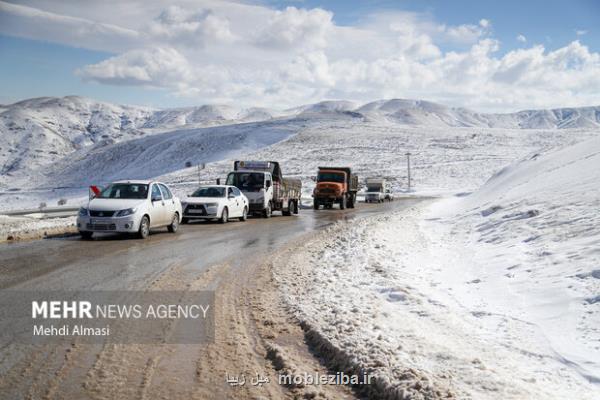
130 207
221 202
374 197
389 195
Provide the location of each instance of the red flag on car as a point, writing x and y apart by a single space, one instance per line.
95 189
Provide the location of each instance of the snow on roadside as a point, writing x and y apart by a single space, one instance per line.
492 295
22 228
535 227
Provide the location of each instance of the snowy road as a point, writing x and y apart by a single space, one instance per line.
228 258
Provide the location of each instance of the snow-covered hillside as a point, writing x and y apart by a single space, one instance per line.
52 148
38 132
491 295
444 160
164 153
534 234
416 112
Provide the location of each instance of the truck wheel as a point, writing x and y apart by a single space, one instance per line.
267 211
144 230
352 201
174 223
289 210
343 203
316 204
224 216
296 208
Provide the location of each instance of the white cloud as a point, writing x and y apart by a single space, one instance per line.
32 23
157 67
468 33
190 27
215 51
580 32
296 27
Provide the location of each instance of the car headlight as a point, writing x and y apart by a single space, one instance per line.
123 213
83 212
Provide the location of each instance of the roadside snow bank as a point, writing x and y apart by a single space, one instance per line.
533 234
23 228
493 295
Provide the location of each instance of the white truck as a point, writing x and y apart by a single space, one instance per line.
377 190
265 187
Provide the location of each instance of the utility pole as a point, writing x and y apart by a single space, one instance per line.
200 168
408 167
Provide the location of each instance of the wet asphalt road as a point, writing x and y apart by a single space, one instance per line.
112 262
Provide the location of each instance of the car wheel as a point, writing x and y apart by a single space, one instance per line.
174 223
244 216
86 235
144 230
224 216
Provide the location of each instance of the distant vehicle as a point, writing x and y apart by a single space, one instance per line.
265 187
389 195
335 185
130 207
376 190
220 202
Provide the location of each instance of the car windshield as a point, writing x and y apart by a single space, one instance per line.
330 177
124 191
373 189
209 192
247 181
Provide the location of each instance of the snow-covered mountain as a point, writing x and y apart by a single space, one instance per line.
45 135
425 113
38 132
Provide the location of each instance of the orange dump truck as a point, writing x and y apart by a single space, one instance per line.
335 185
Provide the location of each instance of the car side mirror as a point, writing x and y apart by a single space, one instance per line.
231 196
155 198
268 184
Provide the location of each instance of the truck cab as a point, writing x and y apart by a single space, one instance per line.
256 185
265 187
330 184
335 185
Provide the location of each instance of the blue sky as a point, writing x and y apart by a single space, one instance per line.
35 68
554 23
194 52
